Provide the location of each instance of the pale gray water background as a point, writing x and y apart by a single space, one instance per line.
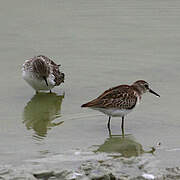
100 44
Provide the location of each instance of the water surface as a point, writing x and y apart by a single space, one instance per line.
100 44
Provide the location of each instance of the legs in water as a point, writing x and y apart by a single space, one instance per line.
108 125
122 126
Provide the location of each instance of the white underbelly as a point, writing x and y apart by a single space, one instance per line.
114 112
38 84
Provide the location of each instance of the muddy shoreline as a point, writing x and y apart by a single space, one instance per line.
90 166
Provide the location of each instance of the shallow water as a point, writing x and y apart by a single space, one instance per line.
100 44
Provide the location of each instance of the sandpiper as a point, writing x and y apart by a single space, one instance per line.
41 73
120 100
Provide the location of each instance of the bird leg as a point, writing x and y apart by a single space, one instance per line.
108 125
122 126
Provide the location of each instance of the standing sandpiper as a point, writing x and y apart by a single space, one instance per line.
120 100
41 73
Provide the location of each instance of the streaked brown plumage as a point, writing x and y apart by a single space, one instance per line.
42 73
122 97
120 100
46 67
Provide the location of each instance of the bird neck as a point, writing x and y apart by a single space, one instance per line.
138 89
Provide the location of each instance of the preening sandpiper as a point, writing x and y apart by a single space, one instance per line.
120 100
41 73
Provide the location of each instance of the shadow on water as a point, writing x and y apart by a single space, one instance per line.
126 145
40 112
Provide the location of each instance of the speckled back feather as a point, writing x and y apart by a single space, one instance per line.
59 76
121 97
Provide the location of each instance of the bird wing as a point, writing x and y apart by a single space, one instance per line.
122 97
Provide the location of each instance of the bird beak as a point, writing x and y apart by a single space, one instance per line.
45 80
151 91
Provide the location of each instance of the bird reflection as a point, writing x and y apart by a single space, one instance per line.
126 145
40 112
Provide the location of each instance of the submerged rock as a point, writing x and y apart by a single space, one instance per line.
43 174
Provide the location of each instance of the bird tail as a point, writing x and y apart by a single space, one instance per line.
85 105
90 104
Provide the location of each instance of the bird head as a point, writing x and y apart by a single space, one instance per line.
143 87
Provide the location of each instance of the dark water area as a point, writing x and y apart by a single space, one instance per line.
100 44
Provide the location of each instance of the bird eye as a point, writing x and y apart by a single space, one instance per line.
146 86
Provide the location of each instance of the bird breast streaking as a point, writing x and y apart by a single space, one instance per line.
41 73
120 100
